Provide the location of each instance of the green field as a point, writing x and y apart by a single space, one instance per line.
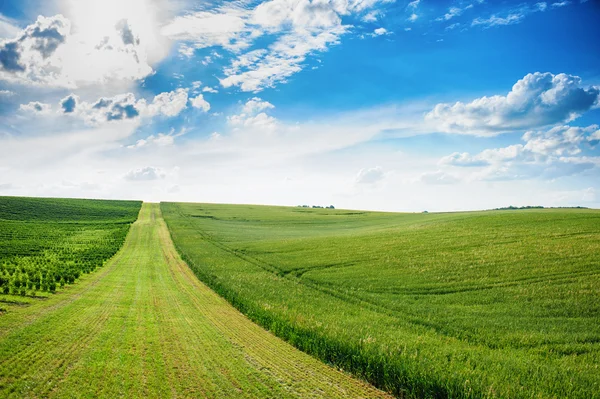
462 305
143 326
48 243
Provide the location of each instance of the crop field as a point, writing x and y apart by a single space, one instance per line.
463 305
48 243
144 326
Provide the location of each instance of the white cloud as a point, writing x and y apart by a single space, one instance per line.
253 119
463 159
256 105
261 121
262 68
248 167
186 51
6 93
413 4
371 16
413 17
380 31
145 174
452 12
209 90
550 154
226 28
124 107
200 102
370 175
561 140
437 177
160 140
169 103
29 57
537 100
485 158
91 43
36 107
8 28
515 15
301 28
494 20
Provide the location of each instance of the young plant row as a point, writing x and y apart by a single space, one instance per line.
49 243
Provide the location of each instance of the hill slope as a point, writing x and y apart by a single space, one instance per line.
477 304
144 326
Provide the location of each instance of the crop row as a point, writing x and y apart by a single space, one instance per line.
49 243
42 264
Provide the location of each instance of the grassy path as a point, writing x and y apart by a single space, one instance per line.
144 326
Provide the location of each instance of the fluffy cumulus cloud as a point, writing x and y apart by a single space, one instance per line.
370 175
200 103
301 28
36 107
552 153
168 103
256 105
121 107
29 56
380 32
49 52
539 99
253 117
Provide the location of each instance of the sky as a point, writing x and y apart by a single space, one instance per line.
361 104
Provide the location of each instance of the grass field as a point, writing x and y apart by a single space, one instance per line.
143 326
46 243
463 305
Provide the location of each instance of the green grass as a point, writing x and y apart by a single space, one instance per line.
47 243
143 326
463 305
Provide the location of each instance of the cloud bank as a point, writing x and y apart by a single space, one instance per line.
537 100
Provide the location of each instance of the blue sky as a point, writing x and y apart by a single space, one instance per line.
371 104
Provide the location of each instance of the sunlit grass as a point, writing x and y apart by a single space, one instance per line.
143 326
478 304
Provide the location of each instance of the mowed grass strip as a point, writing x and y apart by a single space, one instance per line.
499 304
144 326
